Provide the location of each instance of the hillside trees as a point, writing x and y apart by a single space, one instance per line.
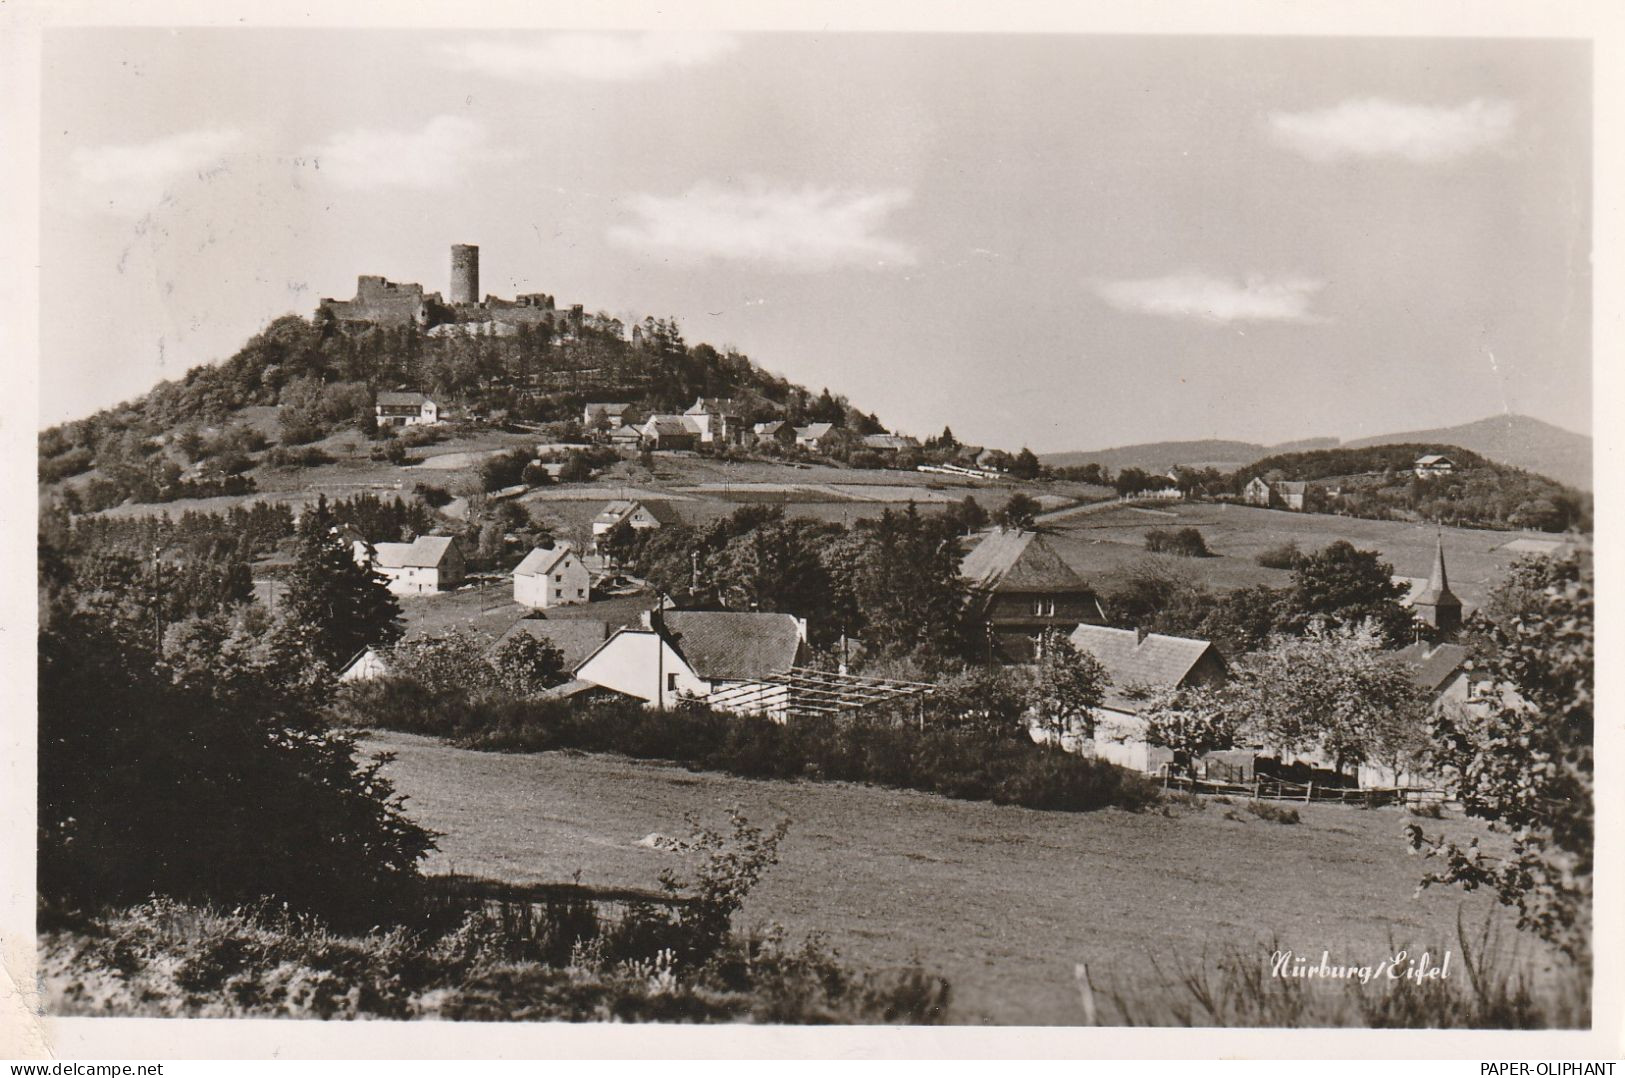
1523 757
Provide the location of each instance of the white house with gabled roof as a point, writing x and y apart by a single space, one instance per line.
427 564
551 576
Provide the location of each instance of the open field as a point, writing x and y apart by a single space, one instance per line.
1002 901
1107 543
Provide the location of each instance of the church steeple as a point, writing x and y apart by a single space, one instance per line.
1438 605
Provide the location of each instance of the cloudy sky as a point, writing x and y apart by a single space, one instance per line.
1060 241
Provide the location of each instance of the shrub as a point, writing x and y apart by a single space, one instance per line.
72 462
1285 556
434 497
1185 542
308 457
1273 813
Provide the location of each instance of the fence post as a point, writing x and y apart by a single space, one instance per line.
1256 784
1309 792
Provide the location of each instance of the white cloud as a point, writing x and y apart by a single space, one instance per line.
1215 299
435 155
808 228
132 178
1372 127
604 57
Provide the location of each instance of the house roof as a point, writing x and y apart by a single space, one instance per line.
1155 661
889 441
730 645
576 638
814 430
424 552
541 560
773 426
1432 667
666 426
616 511
713 406
1018 561
1291 486
412 399
1433 458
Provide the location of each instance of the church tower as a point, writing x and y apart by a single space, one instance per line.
1438 605
465 273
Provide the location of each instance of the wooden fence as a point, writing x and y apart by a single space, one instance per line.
1266 788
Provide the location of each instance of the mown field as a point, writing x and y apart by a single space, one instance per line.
1002 901
1107 544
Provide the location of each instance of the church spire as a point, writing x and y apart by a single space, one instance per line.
1438 605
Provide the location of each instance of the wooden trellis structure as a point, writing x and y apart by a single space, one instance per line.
802 691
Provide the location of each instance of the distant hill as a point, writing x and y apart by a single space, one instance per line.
1160 456
1516 440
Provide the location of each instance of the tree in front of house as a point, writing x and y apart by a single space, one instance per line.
1523 756
1343 585
1068 684
525 666
336 604
1333 692
1191 721
1025 465
1019 513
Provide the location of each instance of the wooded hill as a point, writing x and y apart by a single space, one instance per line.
323 377
1377 481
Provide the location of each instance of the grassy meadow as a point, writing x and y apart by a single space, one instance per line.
1107 544
1002 901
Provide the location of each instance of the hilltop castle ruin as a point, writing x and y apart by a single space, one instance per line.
382 302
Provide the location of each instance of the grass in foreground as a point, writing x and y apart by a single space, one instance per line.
1488 988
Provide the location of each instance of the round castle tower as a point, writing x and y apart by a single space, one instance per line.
465 273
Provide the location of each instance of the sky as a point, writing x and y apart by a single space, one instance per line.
1052 240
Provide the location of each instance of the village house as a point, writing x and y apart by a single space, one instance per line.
696 654
776 431
816 436
1433 464
889 444
1290 494
718 420
405 410
576 638
1137 663
668 432
428 564
614 415
1256 492
1020 588
551 576
638 515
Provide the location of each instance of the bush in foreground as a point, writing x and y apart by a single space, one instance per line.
464 956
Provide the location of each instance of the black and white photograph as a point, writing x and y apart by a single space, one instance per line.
565 524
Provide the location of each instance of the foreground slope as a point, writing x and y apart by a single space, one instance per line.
1001 901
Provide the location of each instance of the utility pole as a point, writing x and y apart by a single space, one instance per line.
158 602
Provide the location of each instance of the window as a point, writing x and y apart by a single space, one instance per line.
1044 608
558 593
558 576
581 593
671 682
